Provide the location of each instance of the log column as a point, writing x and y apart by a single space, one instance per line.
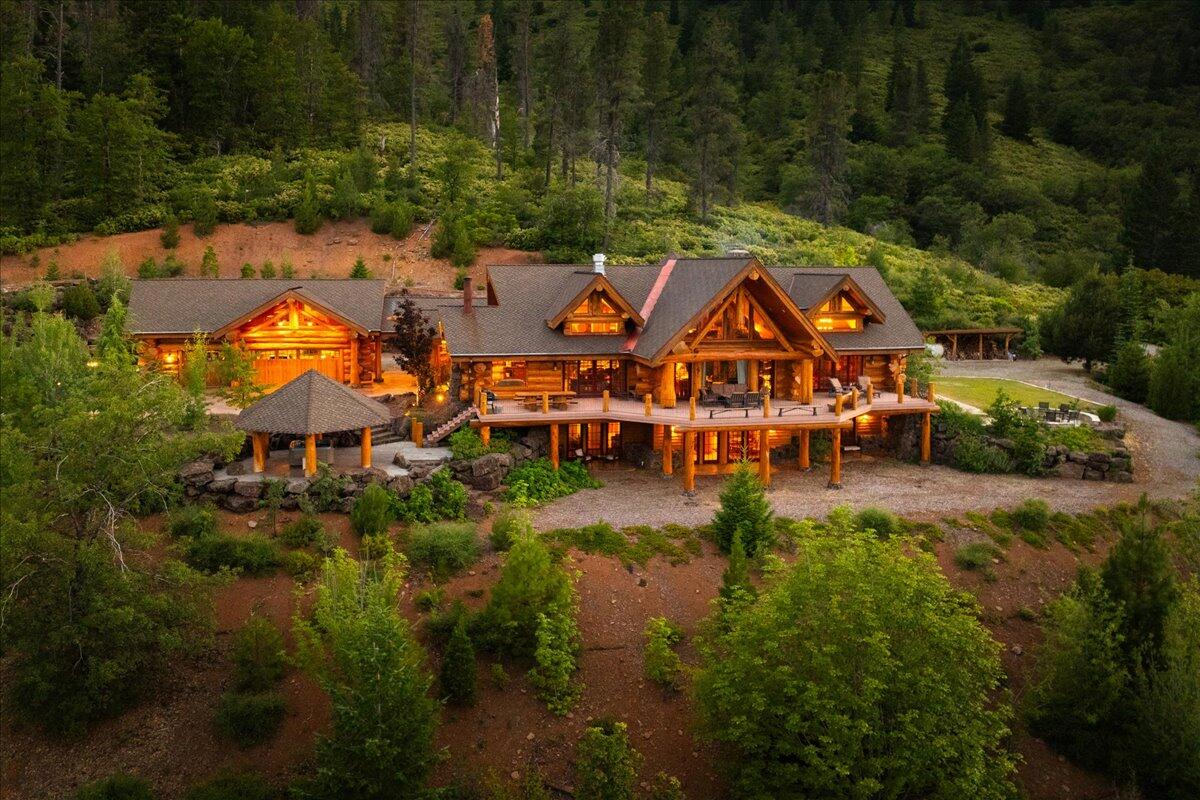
805 438
925 426
752 375
668 451
722 448
354 360
689 462
764 458
365 449
310 454
260 451
666 385
806 381
418 433
835 460
554 445
379 359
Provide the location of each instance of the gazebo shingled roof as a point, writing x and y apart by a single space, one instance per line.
312 404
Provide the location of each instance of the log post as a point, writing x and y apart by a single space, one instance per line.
722 448
666 385
364 449
668 451
260 456
604 401
870 390
854 398
354 360
485 435
805 437
692 407
925 426
806 381
930 395
900 379
554 445
752 376
310 454
649 405
837 404
835 459
418 433
545 402
689 462
764 459
912 387
379 359
766 406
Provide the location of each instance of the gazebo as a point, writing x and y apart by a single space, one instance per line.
311 405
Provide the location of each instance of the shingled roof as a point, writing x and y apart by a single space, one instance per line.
529 294
187 305
312 403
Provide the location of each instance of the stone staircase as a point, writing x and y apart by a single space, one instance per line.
383 434
451 425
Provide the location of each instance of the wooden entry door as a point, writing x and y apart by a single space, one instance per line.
278 371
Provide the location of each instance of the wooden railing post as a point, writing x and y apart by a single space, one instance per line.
900 379
837 404
930 395
545 402
604 401
648 404
870 391
854 398
692 407
913 387
766 406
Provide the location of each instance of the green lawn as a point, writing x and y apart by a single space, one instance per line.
980 392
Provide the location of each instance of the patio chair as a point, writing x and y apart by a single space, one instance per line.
736 400
1051 415
1043 406
491 402
1064 408
863 381
709 398
836 388
754 399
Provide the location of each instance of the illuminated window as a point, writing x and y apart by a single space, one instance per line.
594 316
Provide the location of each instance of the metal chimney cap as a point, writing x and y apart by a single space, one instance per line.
598 263
738 253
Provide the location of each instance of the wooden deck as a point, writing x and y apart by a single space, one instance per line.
780 414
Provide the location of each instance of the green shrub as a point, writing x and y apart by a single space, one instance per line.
418 507
233 786
430 599
508 524
599 537
974 454
148 269
443 548
204 213
248 719
259 660
192 520
359 271
607 766
372 511
117 787
253 555
452 239
267 270
883 523
465 444
976 555
530 584
1031 515
556 657
449 496
662 664
744 508
374 547
79 302
665 787
169 238
537 482
1129 373
457 676
305 531
325 492
171 267
300 564
1106 413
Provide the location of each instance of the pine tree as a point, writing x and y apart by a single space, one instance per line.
457 676
1129 373
308 213
169 238
922 105
345 196
1018 110
1138 574
828 124
901 98
745 510
359 271
961 131
659 46
113 344
735 580
1149 209
965 121
615 57
209 268
712 107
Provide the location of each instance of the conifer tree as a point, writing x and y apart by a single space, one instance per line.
1138 574
308 213
1018 109
735 580
828 124
711 107
209 267
615 57
359 271
922 106
658 47
744 510
966 106
1149 209
457 676
113 344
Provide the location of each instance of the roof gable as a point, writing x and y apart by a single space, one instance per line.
291 294
861 299
598 283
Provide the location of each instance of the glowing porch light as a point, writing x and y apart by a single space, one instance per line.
93 363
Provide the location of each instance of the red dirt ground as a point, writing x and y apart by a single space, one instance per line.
169 739
330 253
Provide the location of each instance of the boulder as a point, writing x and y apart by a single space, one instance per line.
236 468
239 503
248 487
296 485
221 485
1090 474
400 461
290 502
1121 476
347 504
1077 457
401 485
1069 470
196 473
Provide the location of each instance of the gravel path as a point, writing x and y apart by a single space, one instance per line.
1165 465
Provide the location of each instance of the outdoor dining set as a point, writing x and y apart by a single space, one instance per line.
1063 414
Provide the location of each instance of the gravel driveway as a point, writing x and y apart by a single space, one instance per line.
1165 465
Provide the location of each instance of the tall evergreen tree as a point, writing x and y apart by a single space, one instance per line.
1149 210
966 98
657 95
615 56
1018 109
828 124
922 105
712 100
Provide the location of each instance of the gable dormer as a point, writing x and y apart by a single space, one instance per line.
597 310
844 309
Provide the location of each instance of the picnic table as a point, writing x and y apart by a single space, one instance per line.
532 401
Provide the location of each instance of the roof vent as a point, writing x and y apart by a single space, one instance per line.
738 253
598 263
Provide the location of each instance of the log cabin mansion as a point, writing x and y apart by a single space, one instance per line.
706 361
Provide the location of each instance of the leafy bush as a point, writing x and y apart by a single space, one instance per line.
443 548
465 443
1028 436
974 454
606 767
457 676
169 238
375 547
249 718
1129 373
976 555
430 599
508 524
1032 515
253 555
556 657
537 482
744 508
571 227
665 787
662 664
1106 413
233 786
818 679
305 531
449 496
417 507
372 511
884 523
452 239
530 584
195 520
117 787
300 564
79 302
599 537
325 492
259 660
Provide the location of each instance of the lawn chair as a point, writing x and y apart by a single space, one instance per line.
1051 415
754 399
1064 408
836 388
736 400
863 382
492 406
709 398
1043 406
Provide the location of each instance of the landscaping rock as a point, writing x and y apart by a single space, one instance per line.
1078 457
220 485
296 485
290 502
238 503
248 487
1068 469
401 485
1121 476
236 468
1090 474
196 473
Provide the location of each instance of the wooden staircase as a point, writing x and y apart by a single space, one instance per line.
451 425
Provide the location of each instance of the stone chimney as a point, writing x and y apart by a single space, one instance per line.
598 263
468 296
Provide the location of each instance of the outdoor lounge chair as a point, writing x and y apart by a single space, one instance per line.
735 400
1043 406
863 380
836 388
709 398
1063 407
753 399
492 407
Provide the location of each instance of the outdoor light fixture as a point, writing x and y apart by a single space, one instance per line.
93 363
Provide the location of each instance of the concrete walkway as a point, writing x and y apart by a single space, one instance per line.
382 457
